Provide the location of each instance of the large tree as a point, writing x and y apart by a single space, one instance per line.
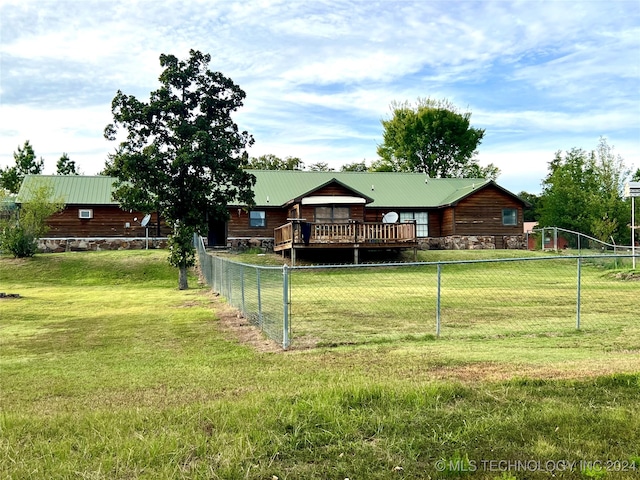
583 191
432 137
26 164
183 152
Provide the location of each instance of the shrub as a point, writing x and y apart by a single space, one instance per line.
20 231
15 240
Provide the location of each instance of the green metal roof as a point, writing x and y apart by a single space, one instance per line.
387 189
275 188
71 189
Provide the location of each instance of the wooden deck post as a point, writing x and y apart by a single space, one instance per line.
355 255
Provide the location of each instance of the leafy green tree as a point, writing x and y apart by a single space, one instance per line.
183 153
355 167
20 232
26 163
531 213
66 166
567 191
432 137
474 170
583 191
636 176
611 211
271 162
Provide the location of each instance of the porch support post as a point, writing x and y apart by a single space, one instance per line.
293 256
355 255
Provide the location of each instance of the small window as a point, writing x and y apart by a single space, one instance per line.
85 213
509 216
257 218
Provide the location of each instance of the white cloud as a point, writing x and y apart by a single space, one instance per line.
320 75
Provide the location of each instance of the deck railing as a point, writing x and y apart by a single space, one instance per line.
303 233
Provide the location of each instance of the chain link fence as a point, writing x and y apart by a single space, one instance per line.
557 239
309 306
259 293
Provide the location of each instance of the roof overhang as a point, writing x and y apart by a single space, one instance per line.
332 200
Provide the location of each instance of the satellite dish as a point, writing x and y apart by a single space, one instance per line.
145 220
391 217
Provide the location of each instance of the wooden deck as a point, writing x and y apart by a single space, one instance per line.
345 235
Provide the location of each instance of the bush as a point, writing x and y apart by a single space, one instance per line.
18 242
20 231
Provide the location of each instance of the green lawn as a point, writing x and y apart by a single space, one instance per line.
108 371
333 306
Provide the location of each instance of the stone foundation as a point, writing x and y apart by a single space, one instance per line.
516 242
245 243
472 242
59 245
454 242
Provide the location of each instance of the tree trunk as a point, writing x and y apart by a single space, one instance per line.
182 278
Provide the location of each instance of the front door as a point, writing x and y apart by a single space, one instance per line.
217 236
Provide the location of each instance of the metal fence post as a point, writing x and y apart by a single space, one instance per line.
578 294
438 302
259 299
244 310
285 307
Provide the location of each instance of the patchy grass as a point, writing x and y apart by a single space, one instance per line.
108 371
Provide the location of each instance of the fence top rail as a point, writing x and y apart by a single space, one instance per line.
462 262
614 246
242 264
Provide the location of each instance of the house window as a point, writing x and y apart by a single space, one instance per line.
332 214
85 213
422 222
257 218
509 216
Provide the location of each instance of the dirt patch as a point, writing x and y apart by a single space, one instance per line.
627 276
238 328
473 372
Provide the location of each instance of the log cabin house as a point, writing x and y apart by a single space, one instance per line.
90 211
301 210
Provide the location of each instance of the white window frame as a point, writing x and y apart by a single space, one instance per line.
85 213
422 228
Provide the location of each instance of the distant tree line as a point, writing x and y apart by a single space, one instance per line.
26 163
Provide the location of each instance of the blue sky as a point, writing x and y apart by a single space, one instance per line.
538 76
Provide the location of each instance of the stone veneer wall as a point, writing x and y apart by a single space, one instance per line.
516 242
456 242
472 242
59 245
244 243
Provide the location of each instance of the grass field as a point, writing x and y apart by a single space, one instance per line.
528 294
108 371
